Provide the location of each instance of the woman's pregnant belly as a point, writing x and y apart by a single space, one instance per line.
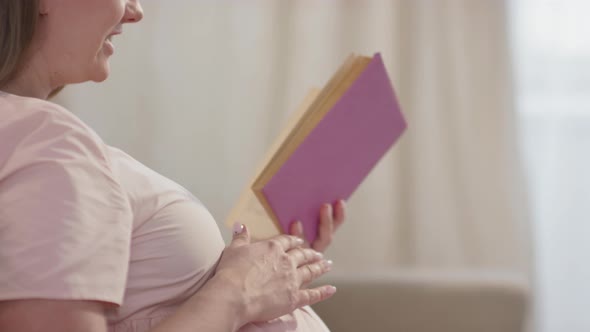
304 319
175 247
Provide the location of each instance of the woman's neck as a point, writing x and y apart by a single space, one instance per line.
31 81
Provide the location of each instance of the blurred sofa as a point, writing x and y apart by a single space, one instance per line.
426 301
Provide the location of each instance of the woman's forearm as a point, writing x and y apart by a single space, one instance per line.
214 309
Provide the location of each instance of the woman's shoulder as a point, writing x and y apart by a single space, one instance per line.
32 129
35 114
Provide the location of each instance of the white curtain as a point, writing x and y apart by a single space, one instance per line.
200 89
552 52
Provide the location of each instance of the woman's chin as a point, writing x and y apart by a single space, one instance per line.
100 79
101 73
101 67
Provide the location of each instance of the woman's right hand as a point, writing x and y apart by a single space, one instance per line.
270 276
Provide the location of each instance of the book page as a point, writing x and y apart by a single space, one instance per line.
249 211
301 117
292 122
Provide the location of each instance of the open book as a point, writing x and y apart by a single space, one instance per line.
326 150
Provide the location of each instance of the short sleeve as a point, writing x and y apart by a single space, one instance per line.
65 221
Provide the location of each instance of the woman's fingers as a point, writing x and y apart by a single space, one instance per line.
331 218
297 229
339 214
279 270
241 236
286 242
315 295
303 256
310 272
325 229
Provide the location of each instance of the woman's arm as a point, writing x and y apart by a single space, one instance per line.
216 308
212 309
52 316
254 282
207 311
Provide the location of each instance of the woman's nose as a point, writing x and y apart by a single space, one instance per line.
133 12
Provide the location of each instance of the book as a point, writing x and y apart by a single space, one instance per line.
328 147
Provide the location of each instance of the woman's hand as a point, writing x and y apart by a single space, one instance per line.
268 276
331 218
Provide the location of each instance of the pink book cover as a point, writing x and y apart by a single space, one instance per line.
340 151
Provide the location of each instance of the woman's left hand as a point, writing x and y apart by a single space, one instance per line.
331 218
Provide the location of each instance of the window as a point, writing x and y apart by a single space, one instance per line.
552 61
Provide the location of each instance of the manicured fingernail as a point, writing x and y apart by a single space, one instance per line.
238 228
319 254
299 241
328 264
331 290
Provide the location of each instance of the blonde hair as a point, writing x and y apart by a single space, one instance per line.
18 23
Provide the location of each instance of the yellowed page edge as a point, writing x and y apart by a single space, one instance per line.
334 82
298 137
291 123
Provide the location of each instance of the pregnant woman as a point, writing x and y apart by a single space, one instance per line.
92 240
